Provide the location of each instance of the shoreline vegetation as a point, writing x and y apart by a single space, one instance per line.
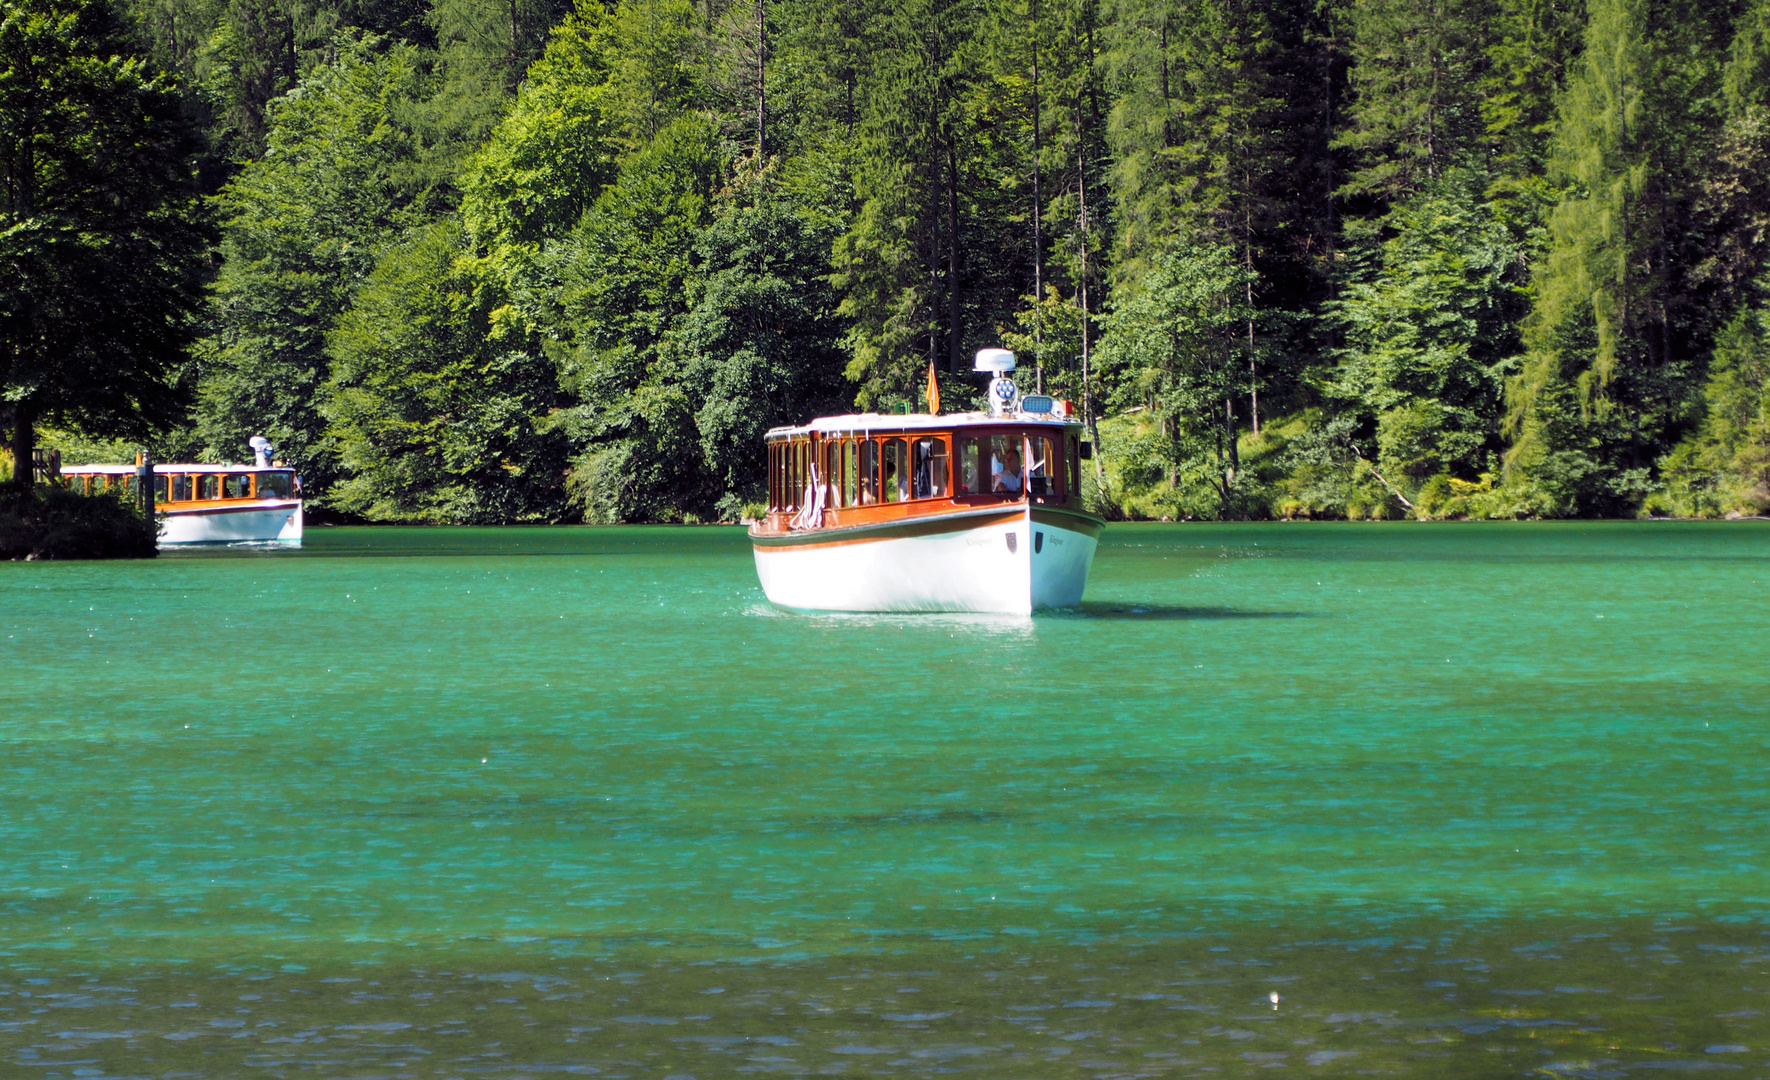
44 521
480 262
48 522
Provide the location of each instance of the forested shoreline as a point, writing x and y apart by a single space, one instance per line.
476 261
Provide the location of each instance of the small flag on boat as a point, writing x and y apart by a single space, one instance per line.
933 390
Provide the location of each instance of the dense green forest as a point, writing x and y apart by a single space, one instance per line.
514 260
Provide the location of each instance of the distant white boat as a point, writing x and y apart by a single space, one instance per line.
210 504
923 512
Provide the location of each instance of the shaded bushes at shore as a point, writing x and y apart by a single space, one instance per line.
50 522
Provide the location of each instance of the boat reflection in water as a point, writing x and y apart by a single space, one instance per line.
964 512
209 504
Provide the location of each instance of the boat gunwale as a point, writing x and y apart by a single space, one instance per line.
224 506
955 519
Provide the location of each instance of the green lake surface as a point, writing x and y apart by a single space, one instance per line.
1470 800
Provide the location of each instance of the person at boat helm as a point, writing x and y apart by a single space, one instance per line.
1005 476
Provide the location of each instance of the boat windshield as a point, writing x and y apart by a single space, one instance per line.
1005 465
276 485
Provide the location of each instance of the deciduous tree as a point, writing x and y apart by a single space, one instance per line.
103 245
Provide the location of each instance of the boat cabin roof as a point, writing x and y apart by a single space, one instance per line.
885 423
129 470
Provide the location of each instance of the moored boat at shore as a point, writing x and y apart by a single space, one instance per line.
926 512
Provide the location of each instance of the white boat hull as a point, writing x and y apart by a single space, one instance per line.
233 524
992 560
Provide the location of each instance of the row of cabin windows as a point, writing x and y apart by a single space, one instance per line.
189 487
867 471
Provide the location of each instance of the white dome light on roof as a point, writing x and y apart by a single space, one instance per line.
996 360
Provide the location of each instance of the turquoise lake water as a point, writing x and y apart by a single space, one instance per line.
1471 800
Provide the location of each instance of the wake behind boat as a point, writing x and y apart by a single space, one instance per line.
922 512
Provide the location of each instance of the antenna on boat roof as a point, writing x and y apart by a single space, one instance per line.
1001 388
261 451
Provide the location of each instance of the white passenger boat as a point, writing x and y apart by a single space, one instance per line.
209 504
924 512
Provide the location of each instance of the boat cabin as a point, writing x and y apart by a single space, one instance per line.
188 483
873 468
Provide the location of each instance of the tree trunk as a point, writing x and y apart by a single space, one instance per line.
935 216
1038 245
761 76
1167 98
1222 472
1082 295
24 444
1234 462
955 339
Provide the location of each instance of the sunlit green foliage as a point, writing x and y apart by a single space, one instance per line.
1428 338
434 401
624 272
1176 349
1489 257
302 228
1724 469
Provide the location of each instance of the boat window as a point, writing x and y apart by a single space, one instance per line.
275 485
208 486
1005 464
897 472
181 487
969 467
774 480
869 472
76 482
161 485
801 472
788 480
832 474
783 484
930 475
1073 482
1041 465
850 473
237 486
779 476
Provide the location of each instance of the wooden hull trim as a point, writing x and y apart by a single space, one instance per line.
209 509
